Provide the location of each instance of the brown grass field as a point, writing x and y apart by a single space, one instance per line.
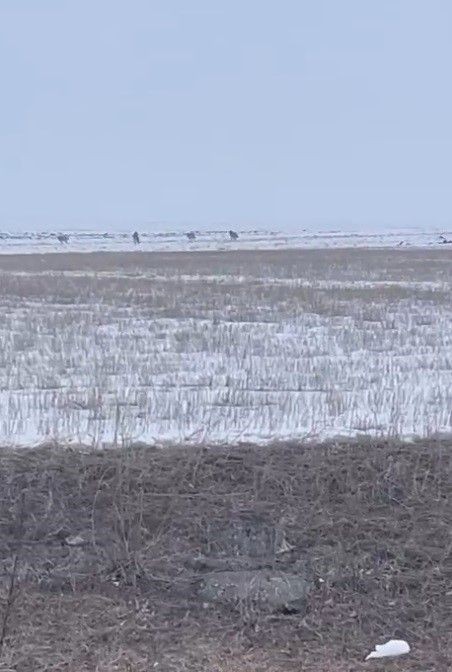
373 520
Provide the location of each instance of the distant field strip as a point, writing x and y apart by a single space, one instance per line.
225 347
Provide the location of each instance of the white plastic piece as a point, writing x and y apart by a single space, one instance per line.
394 647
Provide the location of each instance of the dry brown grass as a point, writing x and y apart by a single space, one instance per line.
386 264
373 520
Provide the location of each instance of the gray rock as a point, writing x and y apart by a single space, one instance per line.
76 540
267 589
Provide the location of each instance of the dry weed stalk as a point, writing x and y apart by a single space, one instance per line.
12 590
9 603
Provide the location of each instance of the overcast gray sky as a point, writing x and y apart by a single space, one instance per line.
261 112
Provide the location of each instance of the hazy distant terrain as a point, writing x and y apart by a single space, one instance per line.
159 237
225 346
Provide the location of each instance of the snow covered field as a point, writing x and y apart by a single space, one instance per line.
225 346
161 237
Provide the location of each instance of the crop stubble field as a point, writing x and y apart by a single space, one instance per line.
104 551
116 348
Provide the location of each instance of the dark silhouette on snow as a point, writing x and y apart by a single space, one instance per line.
136 238
444 241
233 235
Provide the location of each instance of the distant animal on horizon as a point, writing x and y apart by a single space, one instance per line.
233 235
444 241
136 238
63 238
191 235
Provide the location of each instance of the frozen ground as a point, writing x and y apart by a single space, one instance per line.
161 237
225 346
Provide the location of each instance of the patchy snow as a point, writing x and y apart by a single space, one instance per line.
233 279
101 372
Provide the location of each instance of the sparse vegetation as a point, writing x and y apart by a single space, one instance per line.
114 544
241 346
